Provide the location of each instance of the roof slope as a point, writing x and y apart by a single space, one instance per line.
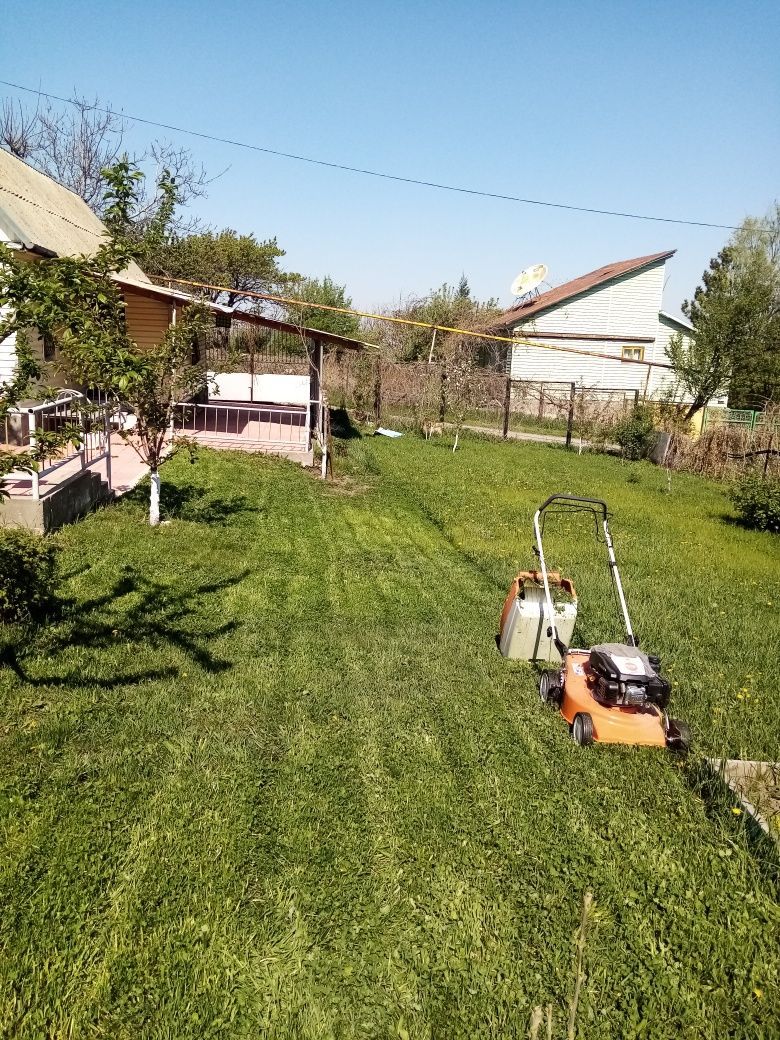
526 309
44 217
673 319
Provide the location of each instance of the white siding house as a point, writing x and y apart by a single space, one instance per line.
614 313
8 345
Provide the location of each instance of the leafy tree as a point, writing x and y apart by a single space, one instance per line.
703 363
735 314
240 263
446 306
12 391
318 292
76 301
755 380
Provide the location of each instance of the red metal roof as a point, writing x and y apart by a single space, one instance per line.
521 312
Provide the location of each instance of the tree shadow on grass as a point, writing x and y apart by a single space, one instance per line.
195 504
341 425
136 611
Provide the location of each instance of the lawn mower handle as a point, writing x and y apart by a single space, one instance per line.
552 630
575 498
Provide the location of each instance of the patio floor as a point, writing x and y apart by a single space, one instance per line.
126 471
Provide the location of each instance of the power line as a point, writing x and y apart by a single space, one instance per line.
375 173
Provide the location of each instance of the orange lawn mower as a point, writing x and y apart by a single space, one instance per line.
612 693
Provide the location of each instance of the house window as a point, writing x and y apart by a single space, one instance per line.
633 353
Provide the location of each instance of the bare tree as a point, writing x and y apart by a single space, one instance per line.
461 382
20 132
75 143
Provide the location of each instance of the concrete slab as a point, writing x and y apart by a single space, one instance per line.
756 786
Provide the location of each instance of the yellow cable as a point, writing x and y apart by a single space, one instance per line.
419 324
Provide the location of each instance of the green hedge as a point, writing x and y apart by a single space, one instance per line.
758 502
27 565
636 433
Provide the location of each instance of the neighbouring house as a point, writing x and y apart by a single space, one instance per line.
614 313
265 393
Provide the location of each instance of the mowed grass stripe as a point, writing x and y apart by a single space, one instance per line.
338 812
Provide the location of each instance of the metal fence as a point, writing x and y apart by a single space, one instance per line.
420 394
742 418
235 425
55 433
253 349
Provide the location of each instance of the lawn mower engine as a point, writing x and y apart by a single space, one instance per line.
625 676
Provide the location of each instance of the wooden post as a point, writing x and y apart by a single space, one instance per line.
570 421
507 405
540 413
647 381
377 390
443 397
433 345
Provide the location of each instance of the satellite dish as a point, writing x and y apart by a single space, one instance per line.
528 279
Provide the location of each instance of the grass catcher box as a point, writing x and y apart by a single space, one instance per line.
524 622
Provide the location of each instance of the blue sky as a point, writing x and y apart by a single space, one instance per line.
670 109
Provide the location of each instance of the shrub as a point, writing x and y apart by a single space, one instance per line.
27 563
758 502
636 433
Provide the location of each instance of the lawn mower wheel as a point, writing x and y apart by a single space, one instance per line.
550 688
582 729
679 735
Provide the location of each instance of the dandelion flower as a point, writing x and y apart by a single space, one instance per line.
736 811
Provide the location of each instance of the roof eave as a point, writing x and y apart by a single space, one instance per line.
19 238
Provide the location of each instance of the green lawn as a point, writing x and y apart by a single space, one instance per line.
269 777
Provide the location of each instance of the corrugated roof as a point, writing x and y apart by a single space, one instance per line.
42 216
526 309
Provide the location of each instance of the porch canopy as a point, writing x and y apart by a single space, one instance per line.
265 384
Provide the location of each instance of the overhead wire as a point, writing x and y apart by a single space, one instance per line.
420 182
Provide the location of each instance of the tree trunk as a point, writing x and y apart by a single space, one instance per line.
154 499
457 434
694 408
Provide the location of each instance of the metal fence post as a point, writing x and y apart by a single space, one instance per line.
378 390
507 406
570 419
34 482
107 432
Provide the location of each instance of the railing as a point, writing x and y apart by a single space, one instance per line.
58 432
264 425
741 418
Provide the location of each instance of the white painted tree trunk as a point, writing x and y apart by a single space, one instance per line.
455 445
154 499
